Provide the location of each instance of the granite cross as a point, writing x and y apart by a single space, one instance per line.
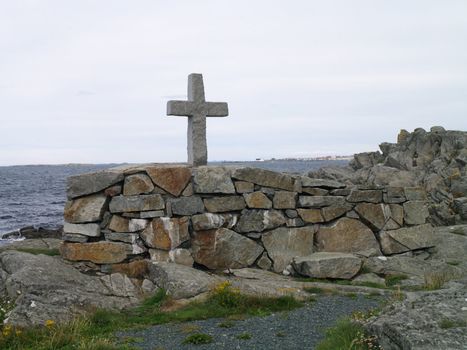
197 109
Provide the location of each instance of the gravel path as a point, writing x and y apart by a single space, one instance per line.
297 329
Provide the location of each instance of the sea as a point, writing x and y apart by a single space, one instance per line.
35 195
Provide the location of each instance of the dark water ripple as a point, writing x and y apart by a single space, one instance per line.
34 195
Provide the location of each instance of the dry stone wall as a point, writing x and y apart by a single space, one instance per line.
222 217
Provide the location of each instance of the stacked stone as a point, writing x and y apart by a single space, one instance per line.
221 217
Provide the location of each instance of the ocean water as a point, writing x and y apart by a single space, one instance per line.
34 195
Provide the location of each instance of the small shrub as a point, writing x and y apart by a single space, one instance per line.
347 335
6 305
392 280
280 334
225 295
198 338
446 323
244 336
351 295
226 324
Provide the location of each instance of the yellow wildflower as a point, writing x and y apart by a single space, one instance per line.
49 323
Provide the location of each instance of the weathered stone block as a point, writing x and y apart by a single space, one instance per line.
224 248
173 179
244 187
395 195
186 205
314 191
375 215
415 194
181 256
166 233
84 184
209 221
265 178
259 220
415 212
323 183
119 224
137 184
257 200
320 201
85 209
371 196
333 212
208 179
223 204
407 238
74 237
328 265
285 200
137 225
97 252
311 215
121 237
347 236
91 230
264 262
151 214
283 244
145 202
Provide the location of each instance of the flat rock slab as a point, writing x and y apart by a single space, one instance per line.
415 323
208 179
328 265
172 179
265 178
97 252
81 185
85 209
50 289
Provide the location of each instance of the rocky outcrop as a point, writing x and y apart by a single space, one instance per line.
328 265
435 161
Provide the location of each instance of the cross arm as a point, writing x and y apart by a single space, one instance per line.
180 108
217 109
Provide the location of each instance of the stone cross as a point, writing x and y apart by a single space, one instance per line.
197 109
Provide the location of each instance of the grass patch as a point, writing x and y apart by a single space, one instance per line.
453 263
371 285
314 290
392 280
446 323
37 251
226 324
198 338
435 280
351 295
347 335
95 332
244 336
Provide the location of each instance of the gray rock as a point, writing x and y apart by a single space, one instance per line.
324 183
264 262
151 214
60 294
283 244
320 201
369 278
137 184
328 265
347 236
314 191
181 256
415 322
333 212
285 200
291 213
186 205
395 195
136 225
85 209
372 196
166 233
259 220
81 185
91 230
224 248
209 221
407 238
223 204
265 178
461 206
208 179
257 200
74 237
121 237
148 202
415 212
297 222
181 281
244 187
375 215
415 194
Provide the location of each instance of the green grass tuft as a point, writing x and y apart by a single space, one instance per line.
392 280
446 323
244 336
198 338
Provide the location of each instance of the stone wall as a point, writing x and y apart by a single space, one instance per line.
220 217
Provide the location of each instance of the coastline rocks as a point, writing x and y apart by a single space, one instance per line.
45 288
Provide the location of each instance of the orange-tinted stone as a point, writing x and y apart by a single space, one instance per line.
171 179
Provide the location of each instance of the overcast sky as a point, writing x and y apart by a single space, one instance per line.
88 81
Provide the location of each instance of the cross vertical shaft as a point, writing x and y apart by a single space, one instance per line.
197 109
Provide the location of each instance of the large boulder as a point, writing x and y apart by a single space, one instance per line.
284 243
347 236
328 265
223 248
45 288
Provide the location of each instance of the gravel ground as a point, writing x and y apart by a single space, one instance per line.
297 329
